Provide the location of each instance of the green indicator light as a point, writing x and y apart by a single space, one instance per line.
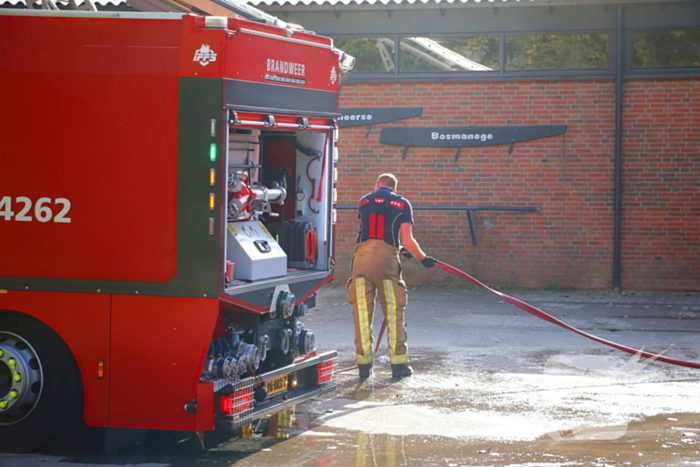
212 152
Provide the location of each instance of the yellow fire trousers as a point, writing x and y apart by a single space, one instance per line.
376 269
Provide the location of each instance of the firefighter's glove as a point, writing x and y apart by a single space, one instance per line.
405 253
428 261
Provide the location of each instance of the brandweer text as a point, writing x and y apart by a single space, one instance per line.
287 68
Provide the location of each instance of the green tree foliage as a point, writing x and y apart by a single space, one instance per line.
366 53
666 48
556 51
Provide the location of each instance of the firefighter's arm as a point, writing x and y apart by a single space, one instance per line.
409 242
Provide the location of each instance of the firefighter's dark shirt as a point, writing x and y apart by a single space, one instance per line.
381 214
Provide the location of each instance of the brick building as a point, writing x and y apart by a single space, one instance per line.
617 195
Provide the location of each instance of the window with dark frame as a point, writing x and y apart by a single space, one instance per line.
373 55
666 49
557 51
480 54
449 53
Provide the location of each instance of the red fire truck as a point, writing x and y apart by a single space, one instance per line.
166 217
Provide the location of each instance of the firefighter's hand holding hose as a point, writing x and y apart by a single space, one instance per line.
427 261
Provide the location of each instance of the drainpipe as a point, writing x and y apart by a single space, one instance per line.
619 57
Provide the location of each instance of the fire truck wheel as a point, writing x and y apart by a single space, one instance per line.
40 388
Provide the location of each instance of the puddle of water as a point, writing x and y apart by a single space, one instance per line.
595 397
576 411
411 419
666 441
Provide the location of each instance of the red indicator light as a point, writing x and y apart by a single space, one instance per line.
236 403
324 372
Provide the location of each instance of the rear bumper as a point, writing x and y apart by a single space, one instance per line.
309 385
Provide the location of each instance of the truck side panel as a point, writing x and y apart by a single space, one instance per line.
158 348
108 140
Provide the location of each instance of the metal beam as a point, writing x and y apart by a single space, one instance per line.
617 198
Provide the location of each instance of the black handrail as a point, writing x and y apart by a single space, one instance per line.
471 212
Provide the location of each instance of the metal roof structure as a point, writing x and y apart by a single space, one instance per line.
66 3
386 2
228 8
440 3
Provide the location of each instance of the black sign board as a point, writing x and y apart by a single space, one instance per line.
458 137
362 117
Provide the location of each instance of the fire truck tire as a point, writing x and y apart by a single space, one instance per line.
41 391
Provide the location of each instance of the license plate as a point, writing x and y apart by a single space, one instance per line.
278 384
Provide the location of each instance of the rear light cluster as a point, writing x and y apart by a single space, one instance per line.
237 403
324 372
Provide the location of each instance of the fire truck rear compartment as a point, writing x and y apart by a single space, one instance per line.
278 219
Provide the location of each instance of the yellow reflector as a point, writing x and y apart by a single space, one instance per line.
212 177
212 201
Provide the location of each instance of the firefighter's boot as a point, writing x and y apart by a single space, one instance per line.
365 370
401 371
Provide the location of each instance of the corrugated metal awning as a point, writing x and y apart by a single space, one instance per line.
22 3
229 8
389 2
371 4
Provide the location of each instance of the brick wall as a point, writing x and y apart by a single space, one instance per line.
569 242
661 211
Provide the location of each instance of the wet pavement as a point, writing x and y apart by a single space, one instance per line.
493 386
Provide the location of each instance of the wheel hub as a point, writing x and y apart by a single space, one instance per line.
21 378
5 380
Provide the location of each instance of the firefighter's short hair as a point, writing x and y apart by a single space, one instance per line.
388 180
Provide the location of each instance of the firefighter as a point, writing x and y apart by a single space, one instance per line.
386 220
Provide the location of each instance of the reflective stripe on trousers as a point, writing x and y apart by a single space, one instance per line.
376 270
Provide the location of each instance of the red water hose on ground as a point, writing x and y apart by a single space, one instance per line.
542 315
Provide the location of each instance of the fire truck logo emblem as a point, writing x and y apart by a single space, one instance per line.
204 55
334 75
